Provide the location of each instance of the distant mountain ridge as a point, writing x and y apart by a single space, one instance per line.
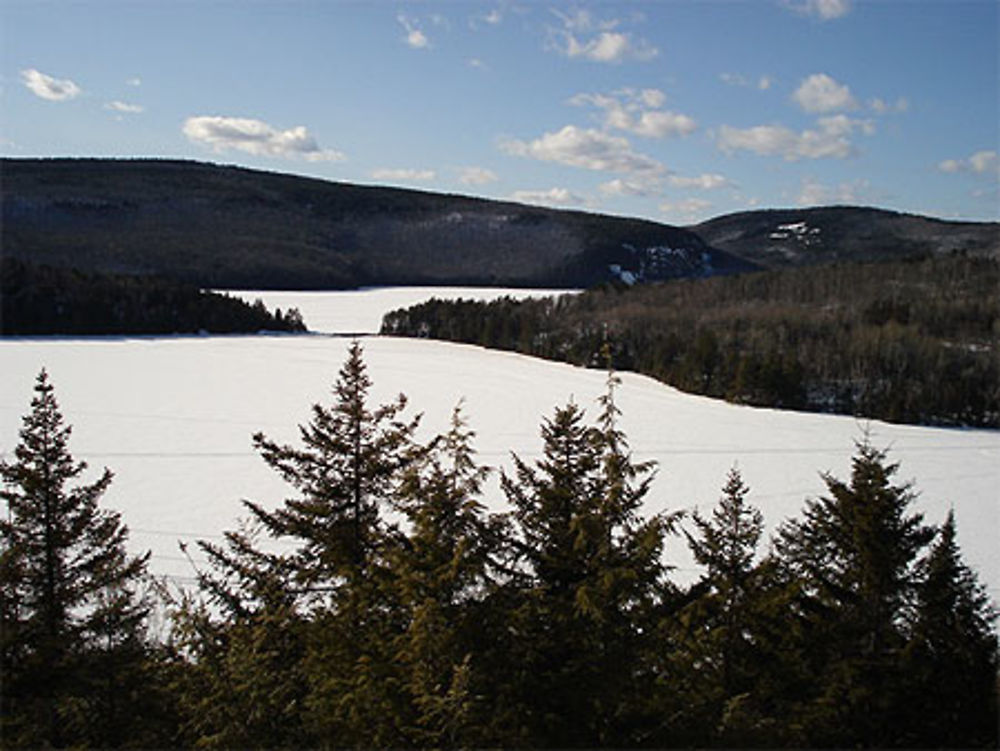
231 227
778 238
239 228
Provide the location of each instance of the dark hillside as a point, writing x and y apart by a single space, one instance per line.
778 238
237 228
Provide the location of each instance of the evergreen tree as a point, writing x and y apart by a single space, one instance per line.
855 553
73 614
719 652
592 572
444 571
346 473
952 655
242 683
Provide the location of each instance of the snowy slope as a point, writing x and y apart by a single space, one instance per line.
173 418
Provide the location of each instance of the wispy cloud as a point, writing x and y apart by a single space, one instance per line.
824 10
583 36
815 193
134 81
415 37
638 112
762 83
124 108
985 162
476 176
687 210
831 139
256 137
707 181
881 107
550 197
47 87
586 148
404 175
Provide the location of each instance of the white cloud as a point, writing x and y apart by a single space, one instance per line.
415 38
825 10
620 187
686 210
135 81
47 87
819 93
404 175
706 181
477 176
551 197
584 37
124 108
586 148
627 110
985 162
830 140
256 137
814 193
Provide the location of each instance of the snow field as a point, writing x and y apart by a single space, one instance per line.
172 417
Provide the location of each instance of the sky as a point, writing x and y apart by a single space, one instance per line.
675 111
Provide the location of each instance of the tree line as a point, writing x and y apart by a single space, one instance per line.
906 341
404 615
38 299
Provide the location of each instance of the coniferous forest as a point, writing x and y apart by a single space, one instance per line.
38 299
905 341
399 613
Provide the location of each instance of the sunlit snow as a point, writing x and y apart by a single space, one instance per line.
173 418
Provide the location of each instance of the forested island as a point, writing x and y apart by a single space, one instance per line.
39 299
397 613
913 340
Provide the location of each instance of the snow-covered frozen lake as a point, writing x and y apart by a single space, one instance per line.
173 416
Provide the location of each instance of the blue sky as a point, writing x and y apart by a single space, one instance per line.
675 111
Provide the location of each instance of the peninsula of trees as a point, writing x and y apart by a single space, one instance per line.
907 341
36 300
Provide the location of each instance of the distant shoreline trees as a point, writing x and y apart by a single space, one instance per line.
41 300
403 615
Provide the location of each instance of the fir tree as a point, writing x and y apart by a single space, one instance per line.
73 614
717 655
593 572
346 473
952 657
855 553
443 572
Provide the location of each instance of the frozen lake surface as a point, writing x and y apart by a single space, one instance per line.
173 416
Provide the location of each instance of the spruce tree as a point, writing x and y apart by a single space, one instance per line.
855 554
346 472
718 650
443 572
952 658
73 612
592 576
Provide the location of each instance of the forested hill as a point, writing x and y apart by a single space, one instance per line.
228 227
907 341
778 238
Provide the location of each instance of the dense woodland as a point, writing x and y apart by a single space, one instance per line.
38 299
906 341
556 624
